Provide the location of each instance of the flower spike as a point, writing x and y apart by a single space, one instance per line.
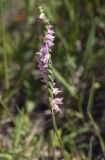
45 65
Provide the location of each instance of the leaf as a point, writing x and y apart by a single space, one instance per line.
69 87
89 48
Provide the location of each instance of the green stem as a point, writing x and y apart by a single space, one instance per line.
89 110
50 88
50 97
97 132
80 100
4 48
58 137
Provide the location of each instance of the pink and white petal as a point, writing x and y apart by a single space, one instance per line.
56 109
56 91
57 101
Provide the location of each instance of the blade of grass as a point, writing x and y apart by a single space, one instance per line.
89 47
71 89
4 48
18 130
70 9
6 156
18 123
89 110
90 149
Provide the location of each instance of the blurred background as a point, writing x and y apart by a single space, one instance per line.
26 131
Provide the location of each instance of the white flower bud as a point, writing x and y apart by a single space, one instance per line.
42 16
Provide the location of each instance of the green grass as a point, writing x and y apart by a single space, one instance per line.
26 131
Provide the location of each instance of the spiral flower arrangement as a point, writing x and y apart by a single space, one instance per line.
46 72
45 65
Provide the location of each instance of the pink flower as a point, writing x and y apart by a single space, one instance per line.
56 91
43 66
44 54
56 102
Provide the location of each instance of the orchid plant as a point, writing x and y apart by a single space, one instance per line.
46 72
44 64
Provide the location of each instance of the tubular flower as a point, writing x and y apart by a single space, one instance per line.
56 91
55 103
44 56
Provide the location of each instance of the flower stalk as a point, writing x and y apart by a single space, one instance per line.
46 72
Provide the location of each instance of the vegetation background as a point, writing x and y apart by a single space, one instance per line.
26 131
